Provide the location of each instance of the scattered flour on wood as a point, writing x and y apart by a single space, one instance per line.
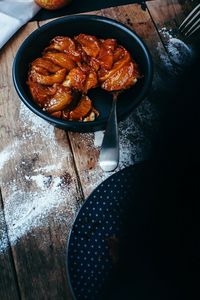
164 57
179 53
167 33
35 124
49 168
8 153
3 234
135 134
43 194
25 211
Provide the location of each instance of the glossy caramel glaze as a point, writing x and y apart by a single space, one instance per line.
70 67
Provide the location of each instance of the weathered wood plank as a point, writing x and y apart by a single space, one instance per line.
39 188
8 281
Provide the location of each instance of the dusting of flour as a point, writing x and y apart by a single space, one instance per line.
46 194
179 52
35 124
8 153
25 211
3 236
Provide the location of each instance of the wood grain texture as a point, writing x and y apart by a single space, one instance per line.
34 150
8 280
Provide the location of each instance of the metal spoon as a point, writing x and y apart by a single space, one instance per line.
109 153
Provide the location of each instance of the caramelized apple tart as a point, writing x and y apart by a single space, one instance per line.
60 79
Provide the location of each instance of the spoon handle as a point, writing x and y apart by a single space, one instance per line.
109 154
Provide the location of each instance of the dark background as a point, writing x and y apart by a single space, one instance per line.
78 6
161 258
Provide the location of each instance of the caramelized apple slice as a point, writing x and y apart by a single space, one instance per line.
81 110
94 63
84 57
61 59
81 78
62 98
41 93
40 70
103 75
89 43
122 79
105 58
76 79
118 53
109 44
57 77
45 64
61 43
64 44
91 81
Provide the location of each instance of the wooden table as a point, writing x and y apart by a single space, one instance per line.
46 173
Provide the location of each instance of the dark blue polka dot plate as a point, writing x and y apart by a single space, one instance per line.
94 239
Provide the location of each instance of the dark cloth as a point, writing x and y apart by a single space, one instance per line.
79 6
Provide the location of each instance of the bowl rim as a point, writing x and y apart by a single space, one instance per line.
69 124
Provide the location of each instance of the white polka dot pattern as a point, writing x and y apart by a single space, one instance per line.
101 216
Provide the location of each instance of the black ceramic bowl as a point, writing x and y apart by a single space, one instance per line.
101 27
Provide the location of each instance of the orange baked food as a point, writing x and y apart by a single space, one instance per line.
60 79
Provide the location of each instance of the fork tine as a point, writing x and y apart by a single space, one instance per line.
191 15
190 22
193 31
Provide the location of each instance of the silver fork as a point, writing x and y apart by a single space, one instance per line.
191 23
